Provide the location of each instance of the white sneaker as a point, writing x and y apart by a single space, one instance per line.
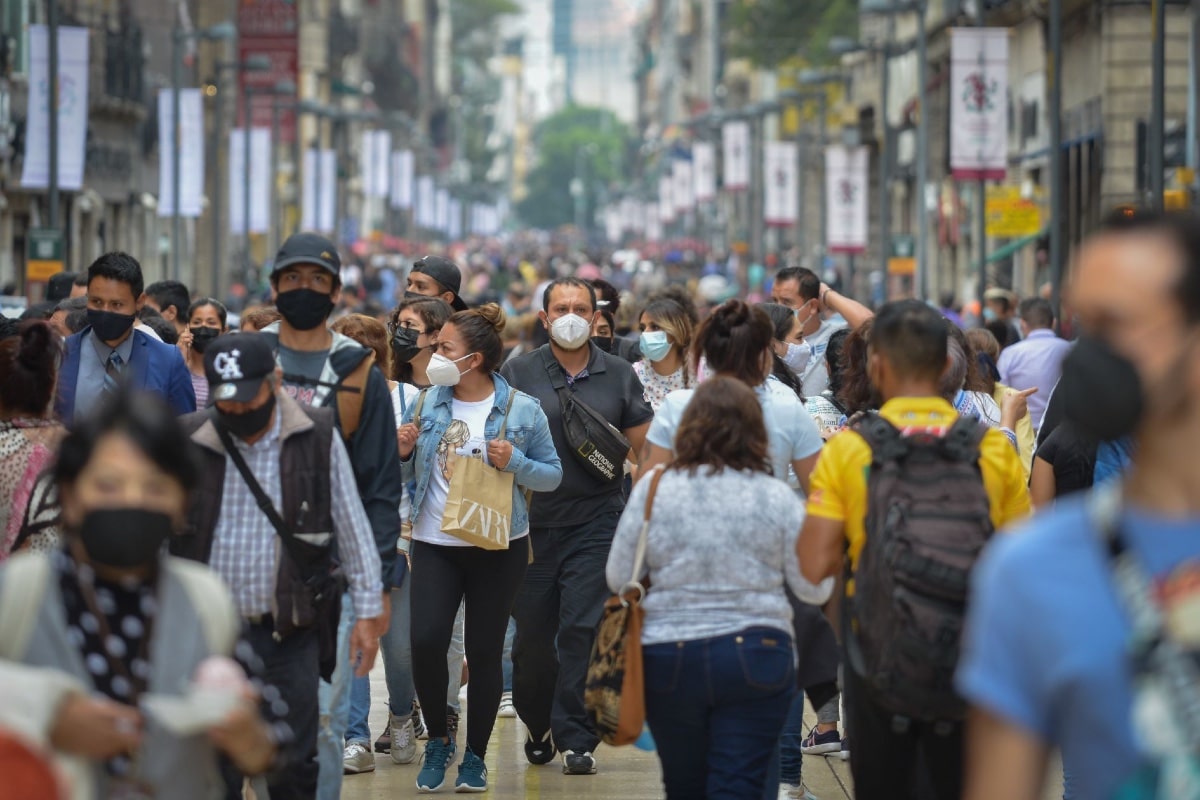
507 709
404 740
789 791
357 758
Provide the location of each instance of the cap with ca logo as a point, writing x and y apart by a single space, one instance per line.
236 365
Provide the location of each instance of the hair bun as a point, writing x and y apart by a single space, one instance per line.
39 345
494 315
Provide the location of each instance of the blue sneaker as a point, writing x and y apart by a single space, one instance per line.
472 774
439 756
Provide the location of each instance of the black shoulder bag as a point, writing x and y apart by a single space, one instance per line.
595 443
322 582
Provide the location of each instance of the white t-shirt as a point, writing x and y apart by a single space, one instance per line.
403 398
815 378
462 439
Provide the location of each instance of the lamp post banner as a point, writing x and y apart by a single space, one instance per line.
376 162
441 214
666 199
846 198
260 180
653 228
426 212
682 185
781 186
978 103
269 30
191 154
72 109
704 169
735 139
402 179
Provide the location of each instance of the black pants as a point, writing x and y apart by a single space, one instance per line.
442 577
290 667
925 760
557 611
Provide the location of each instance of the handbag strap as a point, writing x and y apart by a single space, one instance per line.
639 555
512 395
260 497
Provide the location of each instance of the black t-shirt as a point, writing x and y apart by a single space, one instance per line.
1073 457
611 388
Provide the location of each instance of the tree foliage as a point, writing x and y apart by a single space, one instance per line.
592 139
769 32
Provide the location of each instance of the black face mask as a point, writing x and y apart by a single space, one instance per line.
404 344
109 325
1101 389
202 337
248 423
409 294
605 343
304 309
124 537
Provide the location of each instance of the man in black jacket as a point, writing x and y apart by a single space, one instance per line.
323 368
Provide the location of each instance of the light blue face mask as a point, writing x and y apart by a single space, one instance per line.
655 345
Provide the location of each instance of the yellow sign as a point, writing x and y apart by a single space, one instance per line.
1011 215
902 266
42 270
1175 199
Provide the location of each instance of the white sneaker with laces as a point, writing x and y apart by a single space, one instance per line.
357 758
404 741
507 709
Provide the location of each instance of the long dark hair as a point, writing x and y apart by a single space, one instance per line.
733 340
722 428
857 393
29 363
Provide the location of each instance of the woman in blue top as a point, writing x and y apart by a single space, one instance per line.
457 418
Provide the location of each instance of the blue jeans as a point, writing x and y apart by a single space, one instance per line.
506 661
397 668
335 711
715 708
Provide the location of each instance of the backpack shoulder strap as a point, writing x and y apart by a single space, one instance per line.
963 440
350 391
22 593
211 602
885 440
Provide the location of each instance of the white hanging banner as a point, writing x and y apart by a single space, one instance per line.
666 199
191 154
377 180
704 169
72 110
846 193
781 186
426 202
402 179
454 222
319 190
735 138
441 213
653 228
260 180
682 188
612 224
979 103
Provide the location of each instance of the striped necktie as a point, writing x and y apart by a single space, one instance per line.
112 371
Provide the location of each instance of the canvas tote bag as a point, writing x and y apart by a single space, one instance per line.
479 503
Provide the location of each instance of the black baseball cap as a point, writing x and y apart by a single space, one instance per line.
308 248
446 273
236 365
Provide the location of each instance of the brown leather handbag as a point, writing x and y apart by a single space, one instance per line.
615 691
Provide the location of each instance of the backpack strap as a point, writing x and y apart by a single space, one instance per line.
417 408
885 440
212 604
963 440
21 596
349 393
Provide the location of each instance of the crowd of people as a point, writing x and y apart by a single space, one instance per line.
212 524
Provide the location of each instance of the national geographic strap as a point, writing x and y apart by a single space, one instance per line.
594 442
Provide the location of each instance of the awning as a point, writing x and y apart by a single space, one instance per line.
1013 246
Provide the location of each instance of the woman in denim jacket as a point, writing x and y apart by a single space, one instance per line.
459 417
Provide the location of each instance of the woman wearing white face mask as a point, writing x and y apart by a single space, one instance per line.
666 338
791 353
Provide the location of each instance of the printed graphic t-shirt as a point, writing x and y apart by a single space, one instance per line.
308 365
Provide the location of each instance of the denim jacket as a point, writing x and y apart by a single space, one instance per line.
534 463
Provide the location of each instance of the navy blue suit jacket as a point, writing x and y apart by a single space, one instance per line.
153 367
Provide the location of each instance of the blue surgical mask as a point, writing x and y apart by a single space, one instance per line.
655 345
989 315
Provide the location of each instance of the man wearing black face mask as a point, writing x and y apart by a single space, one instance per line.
110 351
296 457
1083 626
326 369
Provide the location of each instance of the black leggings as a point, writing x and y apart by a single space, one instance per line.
442 576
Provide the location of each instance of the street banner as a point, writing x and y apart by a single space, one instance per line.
1010 213
781 187
269 31
612 224
426 211
260 180
72 109
402 179
378 149
979 103
454 223
653 228
320 190
735 138
666 199
846 195
682 188
704 168
441 211
191 154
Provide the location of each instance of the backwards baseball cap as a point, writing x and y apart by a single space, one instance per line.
308 248
446 273
236 365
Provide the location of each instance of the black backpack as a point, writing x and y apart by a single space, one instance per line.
927 522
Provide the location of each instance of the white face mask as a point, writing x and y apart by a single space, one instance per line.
444 372
570 332
797 356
